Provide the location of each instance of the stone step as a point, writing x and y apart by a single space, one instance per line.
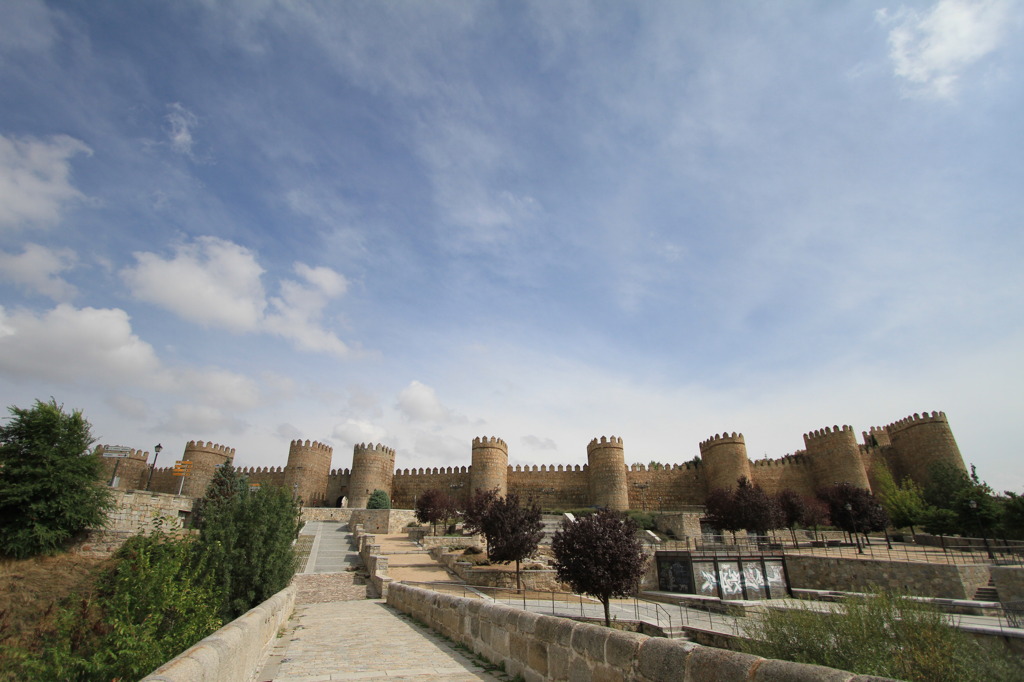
986 594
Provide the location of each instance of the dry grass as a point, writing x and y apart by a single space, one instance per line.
29 587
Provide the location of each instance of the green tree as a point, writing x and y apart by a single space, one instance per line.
378 500
1012 523
904 502
50 487
600 555
226 483
513 531
246 546
882 634
945 482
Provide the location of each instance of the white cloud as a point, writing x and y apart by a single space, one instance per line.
37 268
218 283
419 402
932 50
353 431
212 282
35 179
27 25
199 419
69 345
180 124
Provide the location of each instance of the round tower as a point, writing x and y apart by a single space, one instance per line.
131 466
835 457
309 465
489 468
724 460
607 474
373 468
205 458
918 442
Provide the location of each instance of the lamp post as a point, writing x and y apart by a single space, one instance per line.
853 520
973 504
152 467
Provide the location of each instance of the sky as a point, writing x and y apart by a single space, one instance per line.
417 223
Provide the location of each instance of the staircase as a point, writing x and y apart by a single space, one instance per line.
552 524
987 592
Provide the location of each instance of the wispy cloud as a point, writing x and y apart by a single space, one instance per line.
38 269
932 50
35 179
180 124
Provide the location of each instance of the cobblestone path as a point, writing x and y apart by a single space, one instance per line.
365 640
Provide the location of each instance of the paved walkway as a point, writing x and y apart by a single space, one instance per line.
333 549
365 640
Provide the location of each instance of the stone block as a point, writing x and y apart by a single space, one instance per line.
537 657
621 648
783 671
663 659
588 641
706 664
554 630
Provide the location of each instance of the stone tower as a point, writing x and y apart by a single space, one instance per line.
132 469
309 465
205 458
724 460
490 465
607 474
373 468
835 457
918 442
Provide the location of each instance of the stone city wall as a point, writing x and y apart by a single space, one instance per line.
138 512
539 647
863 575
1009 583
235 652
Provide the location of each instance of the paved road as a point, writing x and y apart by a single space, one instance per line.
365 640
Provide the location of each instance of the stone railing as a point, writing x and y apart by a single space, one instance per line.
540 647
233 653
376 563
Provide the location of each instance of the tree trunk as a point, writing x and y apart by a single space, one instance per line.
518 584
607 612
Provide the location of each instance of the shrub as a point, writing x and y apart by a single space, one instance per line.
378 500
884 634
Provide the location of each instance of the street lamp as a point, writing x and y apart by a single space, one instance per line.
853 520
152 467
977 519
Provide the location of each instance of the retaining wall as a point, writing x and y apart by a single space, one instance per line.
1009 582
232 653
863 575
540 647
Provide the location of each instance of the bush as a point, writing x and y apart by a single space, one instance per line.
378 500
884 634
51 490
643 520
151 605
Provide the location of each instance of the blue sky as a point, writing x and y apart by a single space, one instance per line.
416 223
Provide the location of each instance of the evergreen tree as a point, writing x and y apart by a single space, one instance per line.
50 486
600 555
246 546
792 510
378 500
226 483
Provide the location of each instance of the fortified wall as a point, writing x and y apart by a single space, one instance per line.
909 447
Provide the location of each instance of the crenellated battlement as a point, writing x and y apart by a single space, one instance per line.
314 445
604 442
370 447
785 460
827 432
139 455
915 419
340 472
198 446
721 439
491 442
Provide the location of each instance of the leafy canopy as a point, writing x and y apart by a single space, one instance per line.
379 500
50 487
433 506
512 530
600 555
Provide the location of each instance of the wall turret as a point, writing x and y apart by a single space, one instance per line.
205 458
724 458
131 466
606 476
309 465
920 441
489 465
835 457
373 468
